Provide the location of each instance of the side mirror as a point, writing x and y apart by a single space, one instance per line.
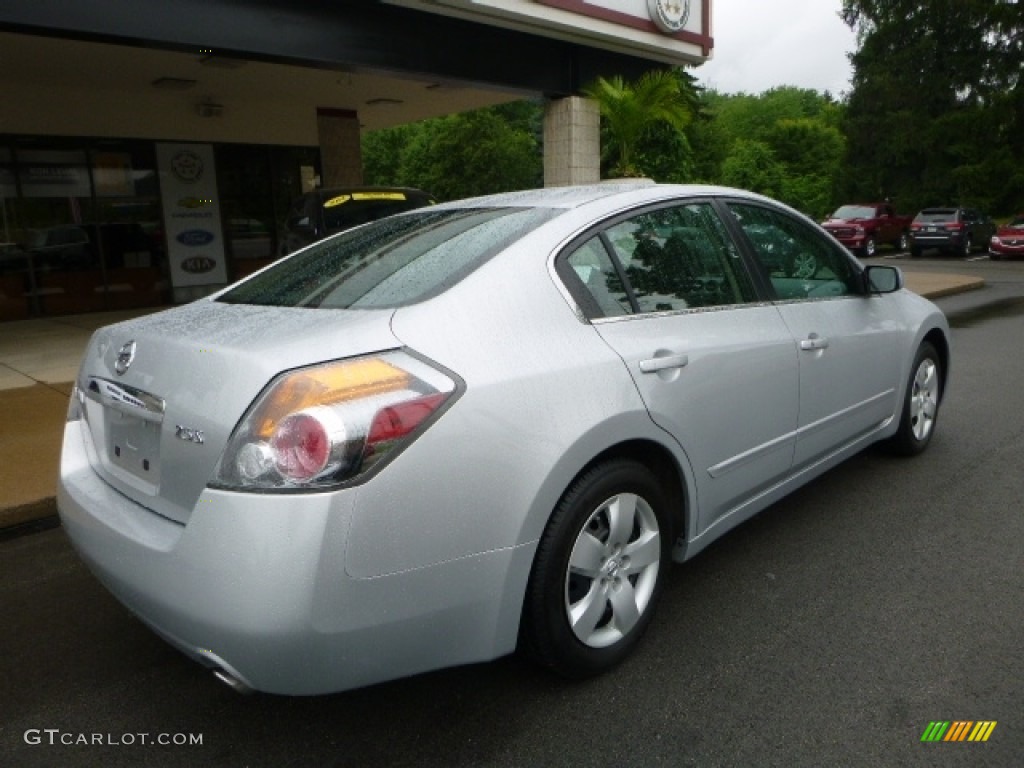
879 278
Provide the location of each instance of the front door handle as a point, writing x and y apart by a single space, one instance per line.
814 341
656 364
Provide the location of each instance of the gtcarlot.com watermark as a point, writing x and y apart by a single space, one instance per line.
54 737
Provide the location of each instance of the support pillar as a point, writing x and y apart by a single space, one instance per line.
572 142
341 157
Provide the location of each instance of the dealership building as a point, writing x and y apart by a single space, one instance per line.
149 150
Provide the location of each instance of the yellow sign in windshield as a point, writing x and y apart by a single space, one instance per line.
364 196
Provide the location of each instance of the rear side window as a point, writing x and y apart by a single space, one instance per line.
668 259
391 262
594 268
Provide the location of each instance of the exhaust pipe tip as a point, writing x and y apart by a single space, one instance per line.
232 682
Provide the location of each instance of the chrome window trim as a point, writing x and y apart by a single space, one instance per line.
681 312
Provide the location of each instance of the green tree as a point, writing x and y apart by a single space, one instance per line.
811 154
629 112
752 165
785 142
474 153
382 154
937 97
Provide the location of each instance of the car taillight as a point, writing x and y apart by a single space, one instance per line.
954 226
329 424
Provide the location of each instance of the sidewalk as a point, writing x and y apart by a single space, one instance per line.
39 360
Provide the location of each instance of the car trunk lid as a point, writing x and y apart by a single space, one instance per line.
162 394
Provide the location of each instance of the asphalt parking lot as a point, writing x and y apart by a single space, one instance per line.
830 630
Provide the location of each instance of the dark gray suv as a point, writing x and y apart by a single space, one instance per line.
954 230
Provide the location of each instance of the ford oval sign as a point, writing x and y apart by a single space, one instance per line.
197 265
195 237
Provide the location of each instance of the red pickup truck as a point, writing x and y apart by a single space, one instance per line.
865 226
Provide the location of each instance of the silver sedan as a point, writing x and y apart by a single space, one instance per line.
486 425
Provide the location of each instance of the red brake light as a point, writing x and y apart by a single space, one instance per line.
397 421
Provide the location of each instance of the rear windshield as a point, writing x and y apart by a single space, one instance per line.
937 214
391 262
854 212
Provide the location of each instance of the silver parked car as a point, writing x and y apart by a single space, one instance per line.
478 426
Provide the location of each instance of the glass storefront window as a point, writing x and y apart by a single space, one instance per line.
82 226
244 184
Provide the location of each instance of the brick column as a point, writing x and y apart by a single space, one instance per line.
341 157
572 142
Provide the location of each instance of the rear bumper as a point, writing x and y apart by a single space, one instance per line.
256 585
1006 251
944 241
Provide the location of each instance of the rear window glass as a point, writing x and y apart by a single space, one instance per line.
854 212
937 214
391 262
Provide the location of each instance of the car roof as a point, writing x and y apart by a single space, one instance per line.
575 196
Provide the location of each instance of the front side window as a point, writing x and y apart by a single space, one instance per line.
799 261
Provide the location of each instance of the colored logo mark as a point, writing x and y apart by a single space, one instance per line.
195 237
958 730
197 265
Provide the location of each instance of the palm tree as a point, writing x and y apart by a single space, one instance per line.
628 110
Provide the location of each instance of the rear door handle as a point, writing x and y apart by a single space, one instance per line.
656 364
814 342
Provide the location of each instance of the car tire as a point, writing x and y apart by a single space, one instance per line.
967 247
599 569
920 403
915 252
994 256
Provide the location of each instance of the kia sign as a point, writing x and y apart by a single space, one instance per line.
198 265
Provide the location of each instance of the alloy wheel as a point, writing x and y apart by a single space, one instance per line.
613 570
924 399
